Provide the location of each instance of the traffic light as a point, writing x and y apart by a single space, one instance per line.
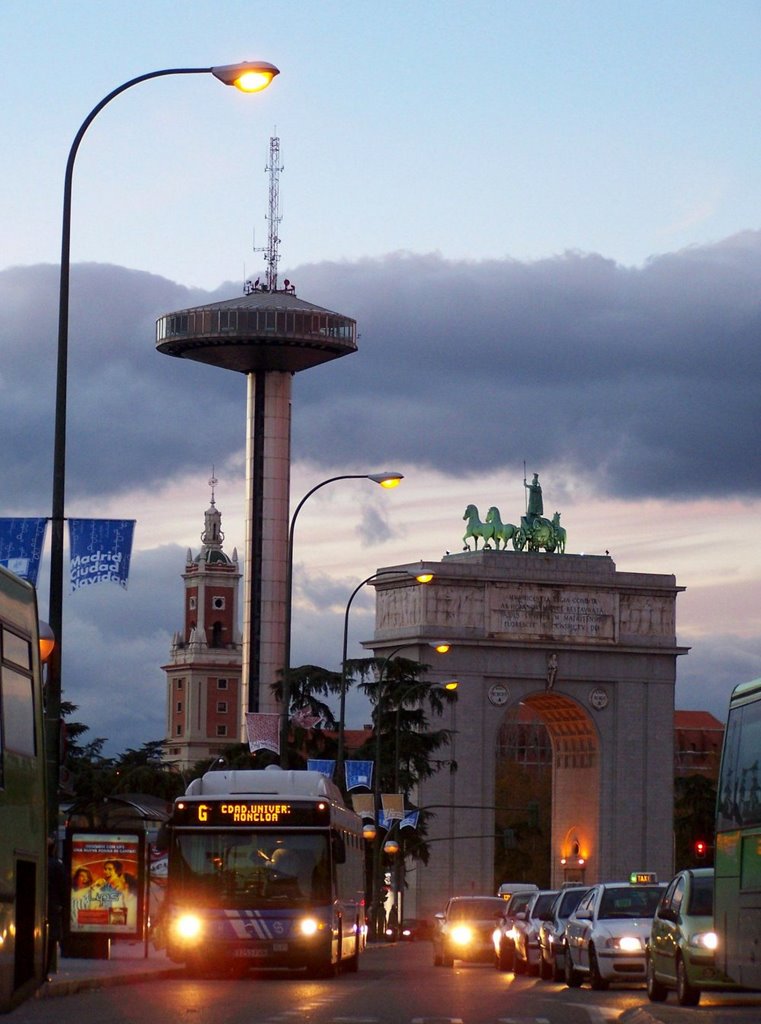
700 848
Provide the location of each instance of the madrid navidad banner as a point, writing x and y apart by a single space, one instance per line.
100 551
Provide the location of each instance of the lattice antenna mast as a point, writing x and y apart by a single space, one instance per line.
271 253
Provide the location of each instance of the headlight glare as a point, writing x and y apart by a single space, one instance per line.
188 927
461 934
309 926
705 940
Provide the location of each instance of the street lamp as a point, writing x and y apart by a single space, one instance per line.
420 577
247 76
386 480
441 647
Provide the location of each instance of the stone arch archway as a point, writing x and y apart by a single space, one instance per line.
592 651
558 765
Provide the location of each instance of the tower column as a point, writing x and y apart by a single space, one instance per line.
268 456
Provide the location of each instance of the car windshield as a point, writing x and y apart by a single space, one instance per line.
519 902
570 902
701 897
480 910
543 904
630 901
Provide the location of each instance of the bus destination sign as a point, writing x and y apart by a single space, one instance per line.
256 813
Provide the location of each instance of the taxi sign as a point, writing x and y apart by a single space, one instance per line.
643 878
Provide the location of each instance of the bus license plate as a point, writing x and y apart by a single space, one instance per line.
250 954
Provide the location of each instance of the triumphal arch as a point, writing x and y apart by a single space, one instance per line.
589 650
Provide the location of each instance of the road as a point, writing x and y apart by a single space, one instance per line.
395 985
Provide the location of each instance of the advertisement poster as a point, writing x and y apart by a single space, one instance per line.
106 883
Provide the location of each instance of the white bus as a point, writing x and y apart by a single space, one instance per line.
266 869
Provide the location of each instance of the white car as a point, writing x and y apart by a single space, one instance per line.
527 924
607 934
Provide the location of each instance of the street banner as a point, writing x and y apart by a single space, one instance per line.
359 773
107 883
363 804
393 805
410 820
99 551
263 732
324 766
21 544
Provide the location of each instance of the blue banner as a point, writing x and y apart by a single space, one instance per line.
21 544
359 773
99 551
326 767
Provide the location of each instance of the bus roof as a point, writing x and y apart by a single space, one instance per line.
745 690
272 781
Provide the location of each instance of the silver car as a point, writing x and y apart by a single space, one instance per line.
552 933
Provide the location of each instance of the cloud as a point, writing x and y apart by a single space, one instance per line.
644 381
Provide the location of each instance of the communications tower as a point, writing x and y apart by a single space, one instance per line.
268 334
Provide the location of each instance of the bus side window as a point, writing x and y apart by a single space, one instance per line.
338 846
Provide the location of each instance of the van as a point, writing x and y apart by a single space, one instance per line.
507 889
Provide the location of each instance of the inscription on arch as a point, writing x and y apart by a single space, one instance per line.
552 613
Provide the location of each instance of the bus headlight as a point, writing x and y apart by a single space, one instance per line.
461 935
188 927
309 926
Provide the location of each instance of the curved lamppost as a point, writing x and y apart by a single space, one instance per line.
421 577
441 647
248 76
386 480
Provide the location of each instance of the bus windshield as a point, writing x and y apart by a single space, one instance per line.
739 801
254 869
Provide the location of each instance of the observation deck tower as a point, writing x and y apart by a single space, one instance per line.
268 334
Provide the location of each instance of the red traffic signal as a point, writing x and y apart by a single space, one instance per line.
701 848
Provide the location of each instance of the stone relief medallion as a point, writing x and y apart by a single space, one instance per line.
598 698
498 694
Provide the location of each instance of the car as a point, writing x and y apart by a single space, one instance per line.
503 936
415 929
681 950
464 929
552 932
527 924
608 932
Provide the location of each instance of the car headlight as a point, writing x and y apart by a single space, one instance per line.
188 927
626 943
704 940
461 935
309 926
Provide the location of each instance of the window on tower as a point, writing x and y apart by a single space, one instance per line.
222 707
221 730
221 684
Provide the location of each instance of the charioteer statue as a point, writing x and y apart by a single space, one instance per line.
534 534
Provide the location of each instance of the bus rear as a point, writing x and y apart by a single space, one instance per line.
737 899
265 870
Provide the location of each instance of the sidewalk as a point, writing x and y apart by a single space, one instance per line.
127 963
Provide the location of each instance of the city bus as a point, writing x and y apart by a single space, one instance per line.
266 868
23 807
737 862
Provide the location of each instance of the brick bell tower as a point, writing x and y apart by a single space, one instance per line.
203 676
